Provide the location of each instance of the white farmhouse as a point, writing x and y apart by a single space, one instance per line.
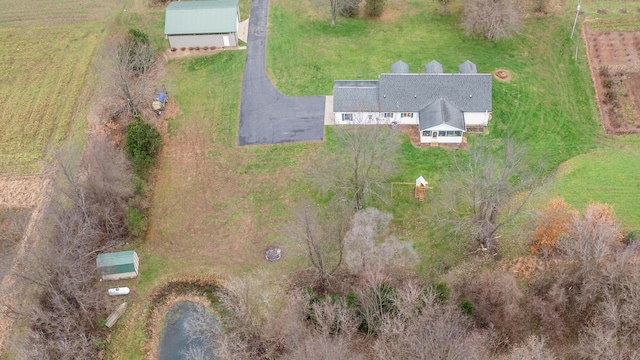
442 106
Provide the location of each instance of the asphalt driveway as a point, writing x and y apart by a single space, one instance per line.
267 116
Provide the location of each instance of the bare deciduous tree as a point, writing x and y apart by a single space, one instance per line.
496 301
359 167
483 193
349 8
108 185
323 238
130 71
422 328
376 300
323 347
254 306
62 323
494 19
533 349
369 246
592 238
592 242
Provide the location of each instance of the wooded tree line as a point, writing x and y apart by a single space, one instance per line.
89 211
580 300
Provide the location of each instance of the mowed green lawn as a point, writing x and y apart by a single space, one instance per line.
547 106
607 175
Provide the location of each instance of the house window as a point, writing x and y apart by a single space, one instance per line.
426 133
442 133
409 115
387 115
347 117
458 133
370 117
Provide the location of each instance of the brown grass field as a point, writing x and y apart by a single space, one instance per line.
46 51
41 89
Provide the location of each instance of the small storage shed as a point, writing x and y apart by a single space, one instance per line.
202 23
119 265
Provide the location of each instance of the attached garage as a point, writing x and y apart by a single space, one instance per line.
202 23
118 266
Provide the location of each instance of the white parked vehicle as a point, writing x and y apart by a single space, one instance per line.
119 291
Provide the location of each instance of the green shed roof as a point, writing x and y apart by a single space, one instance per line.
116 263
201 17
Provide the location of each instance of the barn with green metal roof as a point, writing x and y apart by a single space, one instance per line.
190 24
118 265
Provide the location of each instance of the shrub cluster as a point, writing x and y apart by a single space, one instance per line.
142 145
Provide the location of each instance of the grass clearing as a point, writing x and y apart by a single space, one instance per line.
606 175
215 206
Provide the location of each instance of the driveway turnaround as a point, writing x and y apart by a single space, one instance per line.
267 116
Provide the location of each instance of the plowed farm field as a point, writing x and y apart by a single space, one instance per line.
614 58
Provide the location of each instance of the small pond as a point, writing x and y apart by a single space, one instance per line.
174 340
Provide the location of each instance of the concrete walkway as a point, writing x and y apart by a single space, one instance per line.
267 116
329 116
243 30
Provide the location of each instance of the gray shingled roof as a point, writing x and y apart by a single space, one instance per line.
412 92
467 67
355 95
399 67
433 67
441 112
201 17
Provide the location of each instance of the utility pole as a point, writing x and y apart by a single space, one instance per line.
576 20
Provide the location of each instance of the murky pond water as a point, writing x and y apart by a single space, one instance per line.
174 340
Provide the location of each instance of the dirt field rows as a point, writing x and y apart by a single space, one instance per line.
614 58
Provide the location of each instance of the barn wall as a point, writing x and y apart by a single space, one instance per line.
187 41
120 276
